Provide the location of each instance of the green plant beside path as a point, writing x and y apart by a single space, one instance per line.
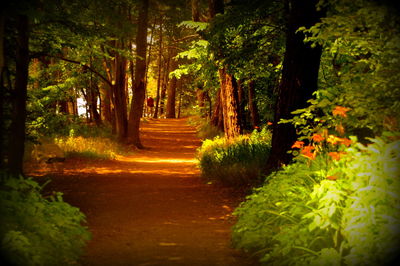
38 230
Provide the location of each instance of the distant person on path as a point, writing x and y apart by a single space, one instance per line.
150 106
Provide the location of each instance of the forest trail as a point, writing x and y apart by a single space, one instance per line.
151 208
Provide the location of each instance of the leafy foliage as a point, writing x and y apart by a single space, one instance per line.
360 66
305 216
235 163
37 230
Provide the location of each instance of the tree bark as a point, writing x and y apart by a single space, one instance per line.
171 91
17 132
299 78
159 69
120 108
229 105
140 74
255 117
105 99
241 102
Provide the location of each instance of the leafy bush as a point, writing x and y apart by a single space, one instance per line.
237 162
321 211
36 230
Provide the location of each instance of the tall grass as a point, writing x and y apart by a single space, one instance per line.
89 147
239 162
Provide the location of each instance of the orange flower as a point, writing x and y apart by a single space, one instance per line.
340 111
346 141
336 155
269 123
307 151
317 138
332 177
298 144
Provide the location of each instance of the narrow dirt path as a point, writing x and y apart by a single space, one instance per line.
151 208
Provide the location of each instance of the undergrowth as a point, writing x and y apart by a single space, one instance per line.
328 207
38 230
88 147
238 162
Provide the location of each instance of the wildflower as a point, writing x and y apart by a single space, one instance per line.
332 177
307 151
336 155
298 144
317 138
269 123
340 111
346 141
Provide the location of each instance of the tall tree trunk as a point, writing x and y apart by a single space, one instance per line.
229 105
140 73
255 117
17 132
241 103
159 70
120 108
165 83
299 78
94 95
105 99
171 91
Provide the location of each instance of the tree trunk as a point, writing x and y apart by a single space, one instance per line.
229 105
195 10
171 91
240 103
299 79
159 70
120 108
255 117
140 73
105 103
17 133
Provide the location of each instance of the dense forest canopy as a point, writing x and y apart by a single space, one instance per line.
318 80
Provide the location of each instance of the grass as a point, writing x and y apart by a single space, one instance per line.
89 147
235 163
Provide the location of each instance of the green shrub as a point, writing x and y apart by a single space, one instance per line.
36 230
321 211
235 163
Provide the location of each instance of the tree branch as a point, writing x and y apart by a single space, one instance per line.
86 67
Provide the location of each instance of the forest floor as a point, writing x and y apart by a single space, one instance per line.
150 208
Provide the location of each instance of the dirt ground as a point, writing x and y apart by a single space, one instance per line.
151 208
